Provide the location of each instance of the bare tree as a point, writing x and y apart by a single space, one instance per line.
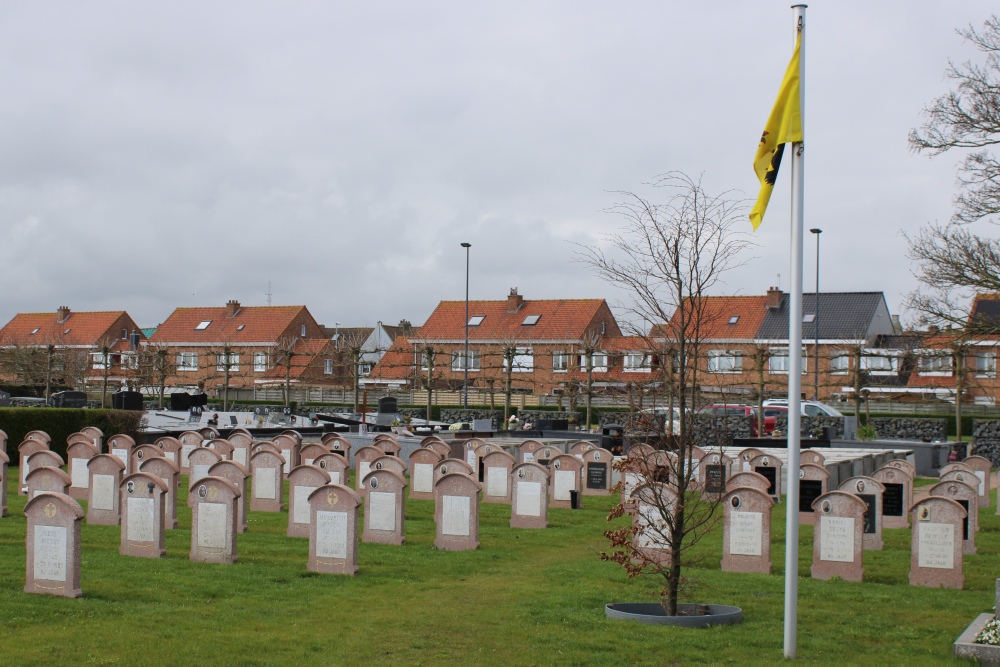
351 344
968 117
287 351
156 363
667 257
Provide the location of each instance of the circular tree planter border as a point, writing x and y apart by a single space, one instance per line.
653 614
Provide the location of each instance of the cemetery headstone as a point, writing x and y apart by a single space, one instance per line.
496 486
95 433
336 466
311 452
333 530
770 467
266 466
653 502
170 474
339 446
143 523
526 451
529 496
289 447
171 448
388 462
222 446
440 447
469 453
446 466
456 512
422 461
238 476
870 492
199 461
897 498
384 505
580 447
968 498
750 480
363 458
936 550
106 472
189 441
120 446
242 443
597 463
142 452
213 521
838 540
565 475
387 445
482 451
302 481
813 480
981 465
46 479
24 450
41 458
715 470
40 436
4 464
77 455
53 545
746 532
745 458
811 456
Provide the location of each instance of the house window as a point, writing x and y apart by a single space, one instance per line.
934 364
986 365
203 325
130 360
599 360
259 362
187 361
458 360
778 361
426 361
220 362
879 364
725 361
637 362
364 370
560 362
303 331
523 361
124 334
99 361
840 363
328 367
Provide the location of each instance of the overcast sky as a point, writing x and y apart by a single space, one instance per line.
155 155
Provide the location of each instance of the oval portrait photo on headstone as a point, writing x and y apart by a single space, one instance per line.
373 483
735 501
826 506
202 491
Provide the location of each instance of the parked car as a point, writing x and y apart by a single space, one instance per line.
810 408
735 410
657 419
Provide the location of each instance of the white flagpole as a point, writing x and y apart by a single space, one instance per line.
795 358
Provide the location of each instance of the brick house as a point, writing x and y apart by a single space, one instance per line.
202 342
546 343
70 348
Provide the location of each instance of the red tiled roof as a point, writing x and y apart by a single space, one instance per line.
261 324
397 362
559 319
306 351
717 311
625 344
79 329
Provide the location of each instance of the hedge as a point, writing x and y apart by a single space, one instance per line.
60 423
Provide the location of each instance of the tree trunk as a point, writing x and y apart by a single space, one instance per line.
104 389
959 389
357 380
430 372
288 380
509 358
590 386
48 375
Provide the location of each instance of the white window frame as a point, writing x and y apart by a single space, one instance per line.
935 365
458 361
187 361
636 362
220 362
523 361
890 367
838 367
779 361
130 360
328 367
260 362
364 370
599 361
725 361
560 362
99 360
986 365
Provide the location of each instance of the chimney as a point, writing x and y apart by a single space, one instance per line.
405 327
514 301
232 307
896 326
773 298
62 314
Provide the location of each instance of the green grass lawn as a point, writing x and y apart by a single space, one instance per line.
525 597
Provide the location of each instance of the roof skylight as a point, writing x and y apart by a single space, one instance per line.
808 317
34 331
734 319
204 325
476 320
240 328
530 320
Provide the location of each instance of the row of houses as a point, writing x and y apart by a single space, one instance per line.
853 345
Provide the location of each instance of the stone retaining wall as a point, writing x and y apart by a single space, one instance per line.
926 429
713 431
810 424
986 439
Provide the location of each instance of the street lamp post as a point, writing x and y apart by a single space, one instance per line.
817 231
465 364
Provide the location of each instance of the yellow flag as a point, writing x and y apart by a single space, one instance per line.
784 125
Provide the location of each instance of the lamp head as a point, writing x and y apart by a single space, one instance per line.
466 245
816 230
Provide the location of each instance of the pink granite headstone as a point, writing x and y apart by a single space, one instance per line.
266 466
311 452
222 446
120 446
333 530
496 471
363 458
838 540
750 480
143 523
770 467
171 448
336 466
565 475
24 450
189 441
469 453
744 459
579 448
199 461
981 466
956 466
422 461
388 462
597 463
446 466
289 446
746 531
936 543
653 504
870 491
456 512
77 456
53 545
46 479
4 464
40 436
813 480
97 436
966 496
106 472
384 504
238 476
529 496
242 443
526 451
46 458
214 521
438 446
142 452
812 456
897 498
339 446
387 444
302 481
170 474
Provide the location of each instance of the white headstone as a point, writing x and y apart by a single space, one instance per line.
264 485
301 514
383 510
746 533
50 553
455 514
423 477
140 519
936 545
104 492
496 481
331 534
837 538
212 525
529 499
